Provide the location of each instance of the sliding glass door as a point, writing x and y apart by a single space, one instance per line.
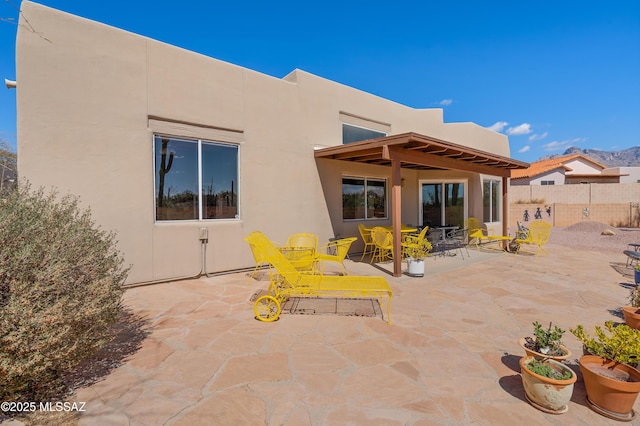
443 203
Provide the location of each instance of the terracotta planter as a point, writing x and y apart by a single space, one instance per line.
631 316
545 394
539 355
607 396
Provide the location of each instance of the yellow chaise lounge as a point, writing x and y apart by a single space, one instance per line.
287 282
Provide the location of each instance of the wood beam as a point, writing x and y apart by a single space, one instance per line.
505 210
396 217
422 158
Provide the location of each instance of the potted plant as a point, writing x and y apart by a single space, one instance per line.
546 343
632 313
416 254
612 384
548 384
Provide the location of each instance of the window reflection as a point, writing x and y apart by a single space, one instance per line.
177 186
352 134
355 205
219 181
176 179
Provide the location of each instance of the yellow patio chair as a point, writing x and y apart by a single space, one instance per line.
303 240
538 235
383 240
474 229
477 234
341 248
301 251
369 245
412 241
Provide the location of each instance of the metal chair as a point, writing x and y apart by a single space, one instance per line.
538 235
341 248
383 241
412 241
369 245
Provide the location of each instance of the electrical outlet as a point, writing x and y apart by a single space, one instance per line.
204 234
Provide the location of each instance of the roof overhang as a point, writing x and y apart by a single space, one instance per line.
415 151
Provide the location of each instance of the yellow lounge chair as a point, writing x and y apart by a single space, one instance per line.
289 282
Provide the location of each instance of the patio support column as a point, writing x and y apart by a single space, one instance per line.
505 209
396 217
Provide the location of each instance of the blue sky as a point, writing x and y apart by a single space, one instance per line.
549 74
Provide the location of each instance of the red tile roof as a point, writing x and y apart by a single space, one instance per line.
544 166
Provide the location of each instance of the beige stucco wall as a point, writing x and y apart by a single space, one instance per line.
90 97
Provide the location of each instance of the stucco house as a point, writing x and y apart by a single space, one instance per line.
183 155
572 169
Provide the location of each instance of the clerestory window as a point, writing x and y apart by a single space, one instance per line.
351 133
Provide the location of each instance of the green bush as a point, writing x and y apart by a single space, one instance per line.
60 291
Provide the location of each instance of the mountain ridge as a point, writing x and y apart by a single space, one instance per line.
629 157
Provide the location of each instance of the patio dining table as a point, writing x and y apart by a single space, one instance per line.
441 244
404 229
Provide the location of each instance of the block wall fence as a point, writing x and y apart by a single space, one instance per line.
563 205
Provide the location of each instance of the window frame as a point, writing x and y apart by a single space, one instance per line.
199 142
491 195
366 179
383 134
443 183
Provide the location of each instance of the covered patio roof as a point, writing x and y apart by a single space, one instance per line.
415 151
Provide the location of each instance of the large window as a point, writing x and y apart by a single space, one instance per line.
195 179
490 200
364 198
351 133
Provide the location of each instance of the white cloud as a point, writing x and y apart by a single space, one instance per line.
562 145
537 137
525 148
445 102
522 129
499 126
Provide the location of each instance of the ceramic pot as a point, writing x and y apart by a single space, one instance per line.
415 267
546 394
631 316
539 355
612 388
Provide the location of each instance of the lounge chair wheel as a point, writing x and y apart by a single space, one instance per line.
267 308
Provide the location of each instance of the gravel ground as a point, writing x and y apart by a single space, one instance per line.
588 236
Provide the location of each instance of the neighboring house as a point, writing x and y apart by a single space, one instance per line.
572 169
183 155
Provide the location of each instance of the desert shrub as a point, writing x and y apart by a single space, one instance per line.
61 282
